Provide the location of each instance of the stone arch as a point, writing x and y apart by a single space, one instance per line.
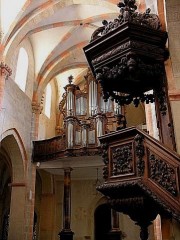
12 144
96 201
5 192
102 227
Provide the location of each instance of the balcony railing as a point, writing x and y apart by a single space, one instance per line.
56 148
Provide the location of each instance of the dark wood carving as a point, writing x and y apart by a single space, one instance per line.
155 183
128 13
162 173
55 148
126 56
122 159
140 153
105 158
48 149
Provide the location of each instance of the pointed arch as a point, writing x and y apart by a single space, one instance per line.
13 145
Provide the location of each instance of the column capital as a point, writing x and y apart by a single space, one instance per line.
36 107
5 70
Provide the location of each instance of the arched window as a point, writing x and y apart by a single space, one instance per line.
47 107
22 69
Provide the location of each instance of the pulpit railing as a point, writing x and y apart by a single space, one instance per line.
137 164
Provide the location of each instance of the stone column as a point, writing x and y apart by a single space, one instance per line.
66 233
31 176
17 209
5 72
36 111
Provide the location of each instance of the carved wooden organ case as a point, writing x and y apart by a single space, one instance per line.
86 116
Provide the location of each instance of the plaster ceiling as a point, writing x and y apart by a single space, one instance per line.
57 30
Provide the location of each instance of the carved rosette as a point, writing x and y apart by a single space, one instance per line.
122 160
104 147
139 150
163 174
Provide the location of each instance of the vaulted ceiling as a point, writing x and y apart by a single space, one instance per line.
57 30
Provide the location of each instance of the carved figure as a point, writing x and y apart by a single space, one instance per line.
98 32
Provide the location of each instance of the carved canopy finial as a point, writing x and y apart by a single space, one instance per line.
128 5
128 13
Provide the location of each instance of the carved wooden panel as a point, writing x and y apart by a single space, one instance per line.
122 159
138 165
162 173
48 149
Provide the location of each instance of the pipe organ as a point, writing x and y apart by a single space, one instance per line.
86 116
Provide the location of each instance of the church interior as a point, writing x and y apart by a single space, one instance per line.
89 129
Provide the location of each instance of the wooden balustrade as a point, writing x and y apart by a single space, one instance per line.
56 148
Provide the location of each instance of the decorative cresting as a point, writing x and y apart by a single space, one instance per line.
126 56
141 177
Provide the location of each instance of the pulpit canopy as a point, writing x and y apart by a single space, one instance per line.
126 55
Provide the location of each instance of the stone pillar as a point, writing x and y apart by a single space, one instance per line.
17 209
31 168
36 111
5 72
157 228
66 233
173 64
